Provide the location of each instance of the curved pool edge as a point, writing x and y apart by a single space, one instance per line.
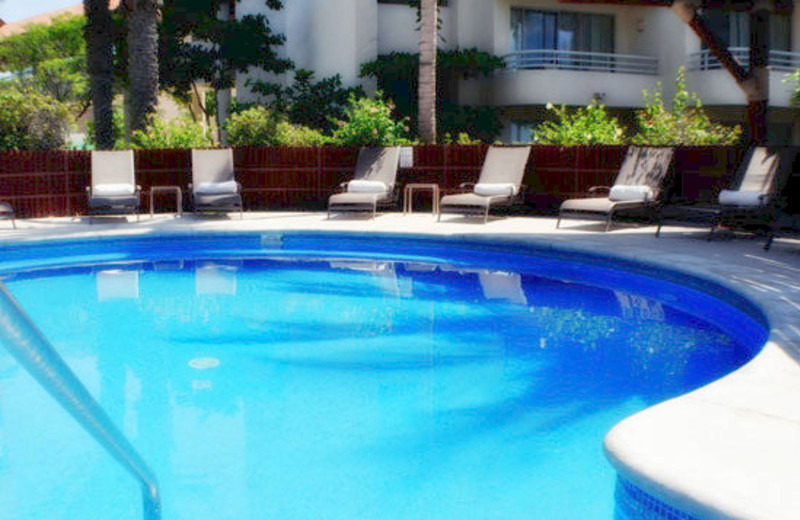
728 450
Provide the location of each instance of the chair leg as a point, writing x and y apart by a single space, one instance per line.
658 228
558 222
608 221
486 215
714 224
13 222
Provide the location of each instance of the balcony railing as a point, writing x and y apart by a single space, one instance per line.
543 59
784 61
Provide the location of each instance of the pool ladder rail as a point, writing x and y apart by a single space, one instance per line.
34 352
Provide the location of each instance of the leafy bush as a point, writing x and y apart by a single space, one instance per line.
30 120
118 130
259 126
793 79
369 122
297 135
183 132
397 74
686 124
583 126
460 138
482 122
310 103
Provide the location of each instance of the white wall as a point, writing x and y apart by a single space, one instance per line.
538 87
328 37
398 30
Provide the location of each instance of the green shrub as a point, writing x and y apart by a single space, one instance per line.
686 124
462 138
255 126
296 135
183 132
587 125
259 126
30 120
369 122
118 130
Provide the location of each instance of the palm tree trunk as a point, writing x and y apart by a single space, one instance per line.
427 70
142 62
100 65
224 96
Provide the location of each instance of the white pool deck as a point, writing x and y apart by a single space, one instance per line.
728 450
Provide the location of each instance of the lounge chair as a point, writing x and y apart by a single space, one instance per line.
638 186
373 183
754 196
113 188
499 184
213 187
7 212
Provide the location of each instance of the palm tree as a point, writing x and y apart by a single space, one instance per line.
100 65
142 42
753 82
427 70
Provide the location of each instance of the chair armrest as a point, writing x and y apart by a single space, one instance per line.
466 186
599 189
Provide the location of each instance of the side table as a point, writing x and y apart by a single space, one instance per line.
176 190
408 196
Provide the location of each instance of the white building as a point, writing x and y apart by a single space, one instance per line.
560 53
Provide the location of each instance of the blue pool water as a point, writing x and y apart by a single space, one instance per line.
344 377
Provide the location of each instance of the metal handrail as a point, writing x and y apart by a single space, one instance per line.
539 59
784 61
28 345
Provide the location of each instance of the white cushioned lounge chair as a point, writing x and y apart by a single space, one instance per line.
113 188
373 184
499 184
214 188
638 185
753 198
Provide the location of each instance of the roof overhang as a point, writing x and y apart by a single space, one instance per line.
728 5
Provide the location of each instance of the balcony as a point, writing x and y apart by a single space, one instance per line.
781 61
550 59
540 76
715 86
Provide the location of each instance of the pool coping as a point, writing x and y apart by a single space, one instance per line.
727 450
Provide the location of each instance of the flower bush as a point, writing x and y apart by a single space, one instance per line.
369 122
30 120
686 124
183 132
259 126
582 126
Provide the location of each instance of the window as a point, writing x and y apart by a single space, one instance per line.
521 132
734 29
561 31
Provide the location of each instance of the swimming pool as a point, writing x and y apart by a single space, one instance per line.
338 376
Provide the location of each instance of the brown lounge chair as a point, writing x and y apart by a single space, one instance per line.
754 196
113 187
499 184
214 188
373 183
638 186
